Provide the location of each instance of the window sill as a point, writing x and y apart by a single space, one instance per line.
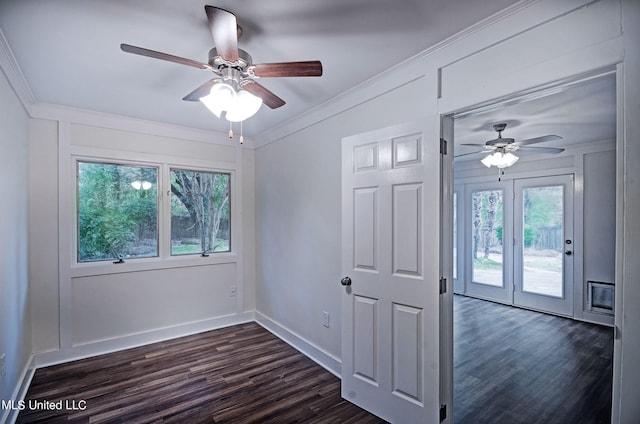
150 264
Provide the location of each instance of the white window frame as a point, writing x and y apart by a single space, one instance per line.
164 259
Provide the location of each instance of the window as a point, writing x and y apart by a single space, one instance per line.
200 212
117 211
121 214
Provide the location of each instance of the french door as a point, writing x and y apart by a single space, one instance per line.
488 220
543 244
519 242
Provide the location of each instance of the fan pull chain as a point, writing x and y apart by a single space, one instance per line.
241 137
230 130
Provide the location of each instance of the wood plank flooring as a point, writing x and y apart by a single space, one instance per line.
239 374
517 366
511 366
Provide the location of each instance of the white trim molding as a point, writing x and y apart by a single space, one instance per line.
321 357
14 74
10 415
135 340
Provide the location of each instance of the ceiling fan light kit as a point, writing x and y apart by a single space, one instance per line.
500 159
234 90
237 104
501 149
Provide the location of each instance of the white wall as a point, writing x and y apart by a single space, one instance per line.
298 215
43 272
600 216
15 312
86 309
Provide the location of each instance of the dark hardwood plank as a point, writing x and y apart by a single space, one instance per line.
511 366
239 374
517 366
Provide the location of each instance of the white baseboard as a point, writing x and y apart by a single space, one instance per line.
126 342
10 416
319 356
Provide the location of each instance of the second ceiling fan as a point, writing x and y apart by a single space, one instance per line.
233 67
506 145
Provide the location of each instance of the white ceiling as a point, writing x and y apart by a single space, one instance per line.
69 50
69 54
579 112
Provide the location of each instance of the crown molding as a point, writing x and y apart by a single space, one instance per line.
394 77
14 74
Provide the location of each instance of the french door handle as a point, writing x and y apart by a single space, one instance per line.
568 252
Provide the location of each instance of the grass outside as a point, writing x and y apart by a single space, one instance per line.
488 263
192 247
533 259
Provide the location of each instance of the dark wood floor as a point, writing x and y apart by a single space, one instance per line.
518 366
511 366
240 374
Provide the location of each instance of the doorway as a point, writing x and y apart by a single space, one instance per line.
535 246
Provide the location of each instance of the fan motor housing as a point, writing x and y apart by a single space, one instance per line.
500 142
244 59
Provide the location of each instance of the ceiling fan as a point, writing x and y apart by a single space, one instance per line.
509 145
233 67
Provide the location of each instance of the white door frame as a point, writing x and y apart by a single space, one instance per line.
620 190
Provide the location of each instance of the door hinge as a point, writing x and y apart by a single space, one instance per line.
443 285
443 412
443 146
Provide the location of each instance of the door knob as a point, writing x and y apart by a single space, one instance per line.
346 281
568 252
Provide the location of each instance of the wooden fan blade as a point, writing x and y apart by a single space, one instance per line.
473 144
553 150
201 91
537 140
164 56
312 68
224 31
267 96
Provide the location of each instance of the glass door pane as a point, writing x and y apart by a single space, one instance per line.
542 239
486 240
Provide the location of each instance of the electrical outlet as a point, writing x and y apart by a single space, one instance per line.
233 291
325 318
3 367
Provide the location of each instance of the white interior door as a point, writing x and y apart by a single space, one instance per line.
544 248
390 263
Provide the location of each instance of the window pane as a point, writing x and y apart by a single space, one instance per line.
200 212
542 238
487 237
117 211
